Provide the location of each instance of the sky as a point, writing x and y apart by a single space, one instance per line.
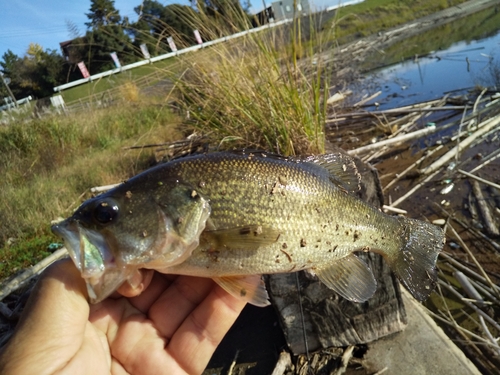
46 21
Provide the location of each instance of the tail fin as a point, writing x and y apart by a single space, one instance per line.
415 263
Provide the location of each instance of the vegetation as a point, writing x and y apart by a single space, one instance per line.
263 91
255 93
34 74
473 27
369 17
49 165
39 71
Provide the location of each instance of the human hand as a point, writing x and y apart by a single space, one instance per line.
172 327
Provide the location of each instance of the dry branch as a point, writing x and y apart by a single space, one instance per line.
492 184
400 139
414 189
468 271
489 221
469 288
23 278
470 305
485 127
365 100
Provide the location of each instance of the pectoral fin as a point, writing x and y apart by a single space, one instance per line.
249 288
350 277
249 237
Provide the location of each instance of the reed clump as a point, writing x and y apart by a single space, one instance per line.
254 92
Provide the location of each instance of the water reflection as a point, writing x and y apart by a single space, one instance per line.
458 68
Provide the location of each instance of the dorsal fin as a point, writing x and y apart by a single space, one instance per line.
342 169
340 165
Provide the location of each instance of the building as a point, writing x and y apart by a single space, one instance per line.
280 10
284 9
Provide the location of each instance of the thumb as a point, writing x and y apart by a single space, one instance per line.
53 321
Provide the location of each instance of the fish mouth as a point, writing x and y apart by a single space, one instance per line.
92 255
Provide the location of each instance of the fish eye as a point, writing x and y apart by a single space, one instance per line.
105 212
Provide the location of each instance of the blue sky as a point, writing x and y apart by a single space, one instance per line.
46 21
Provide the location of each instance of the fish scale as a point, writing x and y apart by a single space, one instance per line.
307 208
231 216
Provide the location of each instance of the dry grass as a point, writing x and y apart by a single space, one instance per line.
252 92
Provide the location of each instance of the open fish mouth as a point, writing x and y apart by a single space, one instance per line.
93 257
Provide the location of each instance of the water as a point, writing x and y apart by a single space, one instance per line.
456 69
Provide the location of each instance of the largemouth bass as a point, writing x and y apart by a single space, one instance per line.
235 216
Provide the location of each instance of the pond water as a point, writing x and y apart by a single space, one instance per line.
453 68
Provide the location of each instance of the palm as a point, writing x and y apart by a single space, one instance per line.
173 327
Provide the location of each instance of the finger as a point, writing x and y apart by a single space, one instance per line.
203 330
149 296
56 315
136 283
177 302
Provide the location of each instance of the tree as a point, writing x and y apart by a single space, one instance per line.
34 74
179 19
156 22
228 16
102 13
8 68
105 35
228 9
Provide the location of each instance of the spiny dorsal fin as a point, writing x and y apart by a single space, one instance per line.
249 288
350 277
342 169
249 237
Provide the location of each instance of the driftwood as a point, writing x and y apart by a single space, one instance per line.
392 141
329 320
484 128
284 363
488 220
25 277
492 184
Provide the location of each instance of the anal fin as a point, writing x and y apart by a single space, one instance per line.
350 277
249 288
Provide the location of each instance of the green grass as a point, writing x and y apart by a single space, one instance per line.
49 165
22 254
155 71
369 17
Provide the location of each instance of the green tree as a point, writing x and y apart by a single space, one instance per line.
102 13
8 67
228 9
227 16
34 74
156 22
105 35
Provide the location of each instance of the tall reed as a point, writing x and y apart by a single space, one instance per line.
260 91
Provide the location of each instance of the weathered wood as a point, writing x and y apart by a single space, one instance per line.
330 320
284 363
23 278
488 219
